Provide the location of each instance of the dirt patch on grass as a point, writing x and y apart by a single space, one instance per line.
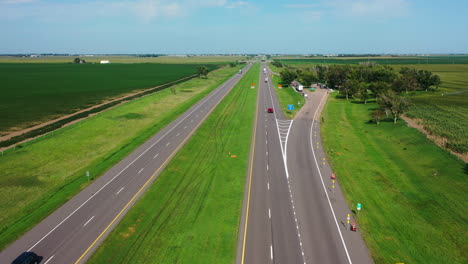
440 141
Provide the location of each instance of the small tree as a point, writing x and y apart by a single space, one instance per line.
77 60
362 91
202 71
377 115
426 79
394 104
287 76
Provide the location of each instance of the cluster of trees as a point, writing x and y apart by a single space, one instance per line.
366 81
202 71
78 60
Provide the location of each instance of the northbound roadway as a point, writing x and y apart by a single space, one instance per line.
291 214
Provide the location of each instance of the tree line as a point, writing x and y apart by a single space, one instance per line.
367 81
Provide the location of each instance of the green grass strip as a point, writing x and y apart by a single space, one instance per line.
413 193
42 175
286 96
191 212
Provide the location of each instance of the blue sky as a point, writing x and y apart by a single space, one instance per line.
232 26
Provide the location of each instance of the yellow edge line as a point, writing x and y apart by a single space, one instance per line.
250 179
141 189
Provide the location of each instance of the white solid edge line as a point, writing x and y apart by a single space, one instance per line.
126 167
49 259
323 185
87 222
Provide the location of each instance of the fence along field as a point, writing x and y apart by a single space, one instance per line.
34 93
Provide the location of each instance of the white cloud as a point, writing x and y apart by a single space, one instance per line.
148 10
301 6
12 2
237 4
371 8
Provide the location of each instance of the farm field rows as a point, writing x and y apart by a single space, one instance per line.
32 185
34 93
191 212
385 60
414 210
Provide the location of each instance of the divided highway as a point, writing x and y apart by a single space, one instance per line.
291 214
73 232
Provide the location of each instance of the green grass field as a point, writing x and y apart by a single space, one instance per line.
191 212
414 209
43 174
34 93
287 95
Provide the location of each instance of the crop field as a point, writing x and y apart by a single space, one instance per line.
385 60
190 214
414 209
124 59
445 113
34 93
32 185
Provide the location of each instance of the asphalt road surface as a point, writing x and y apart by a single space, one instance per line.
73 232
291 212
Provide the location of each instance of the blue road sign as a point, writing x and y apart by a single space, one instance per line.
290 107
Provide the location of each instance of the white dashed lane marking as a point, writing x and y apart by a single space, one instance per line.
87 222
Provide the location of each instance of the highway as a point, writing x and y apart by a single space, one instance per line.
291 213
74 231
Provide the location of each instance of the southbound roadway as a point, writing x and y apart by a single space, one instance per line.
75 230
291 212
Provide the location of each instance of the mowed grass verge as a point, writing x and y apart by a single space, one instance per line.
39 177
190 214
413 193
34 93
286 96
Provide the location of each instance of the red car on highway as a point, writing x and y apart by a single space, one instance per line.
270 110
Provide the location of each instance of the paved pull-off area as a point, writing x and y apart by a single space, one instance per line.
74 231
291 212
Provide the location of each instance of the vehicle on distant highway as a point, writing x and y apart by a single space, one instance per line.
270 110
264 70
27 258
266 79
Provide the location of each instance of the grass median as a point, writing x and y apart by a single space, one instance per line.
42 175
286 96
190 214
413 193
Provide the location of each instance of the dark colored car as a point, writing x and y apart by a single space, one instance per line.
27 258
270 110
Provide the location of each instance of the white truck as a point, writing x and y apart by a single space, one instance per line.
266 79
264 70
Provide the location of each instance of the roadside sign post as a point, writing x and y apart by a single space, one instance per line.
87 175
290 107
348 219
358 207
